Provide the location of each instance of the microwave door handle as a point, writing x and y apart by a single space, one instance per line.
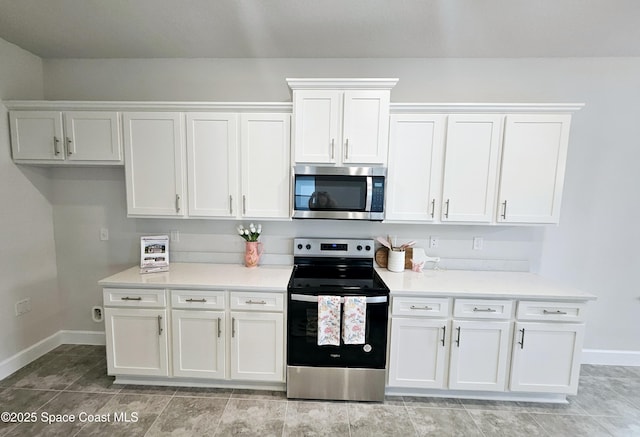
367 206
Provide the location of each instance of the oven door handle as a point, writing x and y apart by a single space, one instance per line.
308 298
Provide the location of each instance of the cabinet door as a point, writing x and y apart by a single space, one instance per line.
317 119
546 357
92 136
266 170
418 352
257 346
198 343
365 138
136 341
479 354
415 167
471 167
37 135
533 164
154 160
212 164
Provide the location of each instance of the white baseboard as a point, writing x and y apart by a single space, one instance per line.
32 353
611 357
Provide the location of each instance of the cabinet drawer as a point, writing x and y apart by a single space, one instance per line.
198 299
482 308
248 301
420 306
134 297
552 311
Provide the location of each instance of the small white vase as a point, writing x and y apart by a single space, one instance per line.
395 261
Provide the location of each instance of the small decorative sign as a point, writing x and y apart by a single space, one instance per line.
154 254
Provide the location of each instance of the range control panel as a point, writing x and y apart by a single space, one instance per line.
334 248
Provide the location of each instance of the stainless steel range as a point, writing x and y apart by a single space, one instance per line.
337 269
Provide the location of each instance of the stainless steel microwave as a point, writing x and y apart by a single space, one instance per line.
351 193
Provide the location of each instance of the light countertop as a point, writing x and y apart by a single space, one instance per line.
453 283
202 275
463 283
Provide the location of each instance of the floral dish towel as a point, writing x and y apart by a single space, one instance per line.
354 318
329 320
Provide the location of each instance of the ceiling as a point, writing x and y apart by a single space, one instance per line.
322 28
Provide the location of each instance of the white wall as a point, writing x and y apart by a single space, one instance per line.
592 249
27 254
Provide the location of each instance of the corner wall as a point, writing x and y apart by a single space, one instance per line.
27 254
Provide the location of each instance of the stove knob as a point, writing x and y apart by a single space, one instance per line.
299 246
367 248
308 246
359 247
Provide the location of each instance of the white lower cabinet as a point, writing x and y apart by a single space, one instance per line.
479 355
198 343
136 341
257 346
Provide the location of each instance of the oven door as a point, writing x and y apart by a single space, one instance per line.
302 336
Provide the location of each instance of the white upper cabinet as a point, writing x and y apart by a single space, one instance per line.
89 137
265 140
154 163
212 164
416 144
533 165
471 167
341 122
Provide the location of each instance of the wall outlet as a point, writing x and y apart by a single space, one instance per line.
23 306
478 242
104 234
97 314
175 236
433 242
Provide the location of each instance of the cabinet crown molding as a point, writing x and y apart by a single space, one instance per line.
341 83
71 105
439 108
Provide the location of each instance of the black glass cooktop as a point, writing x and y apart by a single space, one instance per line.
348 279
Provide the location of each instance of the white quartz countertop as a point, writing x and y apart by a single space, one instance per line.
454 283
202 275
462 283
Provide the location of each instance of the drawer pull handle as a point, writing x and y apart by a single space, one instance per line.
446 212
458 337
521 342
159 325
255 302
484 310
131 298
562 313
426 307
433 207
444 333
197 300
504 210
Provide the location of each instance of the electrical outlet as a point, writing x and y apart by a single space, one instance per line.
175 236
104 234
433 242
97 314
478 242
23 306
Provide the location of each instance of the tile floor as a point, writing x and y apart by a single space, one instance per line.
72 380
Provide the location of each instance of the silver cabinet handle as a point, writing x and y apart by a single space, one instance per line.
130 298
244 205
484 310
219 331
433 208
333 148
233 327
69 152
446 211
458 338
346 149
197 300
504 210
159 325
56 143
521 342
444 333
230 204
562 313
255 302
426 307
177 203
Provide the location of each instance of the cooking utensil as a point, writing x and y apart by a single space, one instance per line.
385 243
